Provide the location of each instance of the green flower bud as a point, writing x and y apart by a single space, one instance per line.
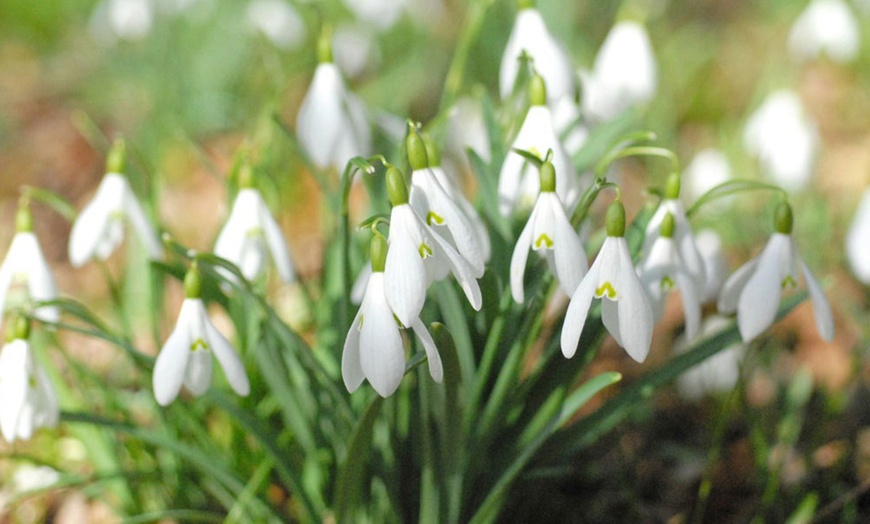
246 176
19 328
548 177
193 282
116 161
538 90
672 186
432 152
668 225
616 219
378 253
783 219
23 217
324 46
397 190
416 149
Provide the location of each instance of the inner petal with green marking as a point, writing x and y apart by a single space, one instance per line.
544 241
424 250
606 289
667 283
788 282
434 218
198 344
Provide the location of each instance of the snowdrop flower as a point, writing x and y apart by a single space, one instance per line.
624 74
417 256
27 400
332 124
715 374
381 14
431 199
518 183
278 21
25 264
857 245
251 234
549 232
122 20
99 228
356 50
683 236
715 266
551 61
625 308
755 289
566 121
708 169
466 129
783 139
373 348
663 270
825 26
185 358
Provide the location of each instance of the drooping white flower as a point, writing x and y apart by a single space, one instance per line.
27 400
355 49
625 308
518 183
708 169
122 20
250 235
373 348
278 21
418 255
441 208
858 240
784 140
662 271
825 27
549 232
25 264
754 290
466 129
624 74
715 374
566 121
551 61
380 14
332 124
715 266
186 357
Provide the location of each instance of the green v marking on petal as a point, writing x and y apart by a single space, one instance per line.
606 288
788 282
434 218
667 284
544 239
424 250
197 344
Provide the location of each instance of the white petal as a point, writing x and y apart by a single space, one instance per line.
461 271
351 369
635 313
406 281
141 225
578 309
519 258
13 386
382 355
320 115
91 224
759 299
40 280
732 287
436 370
610 318
357 291
243 218
857 246
571 263
691 304
228 359
278 247
49 409
821 307
197 376
171 365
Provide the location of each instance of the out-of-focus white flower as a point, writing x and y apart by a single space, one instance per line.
566 121
755 289
373 348
530 34
332 124
708 169
662 271
250 235
381 14
27 400
625 308
624 74
122 20
278 21
825 27
518 181
715 266
355 49
25 264
418 255
783 139
715 374
858 240
185 358
28 477
466 129
549 232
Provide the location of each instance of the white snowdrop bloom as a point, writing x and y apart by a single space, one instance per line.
442 212
708 169
784 140
186 357
716 374
278 21
373 348
466 129
518 181
27 400
332 124
754 290
624 74
551 61
25 264
662 271
566 121
381 14
418 255
715 266
250 235
549 232
858 240
114 20
29 477
355 49
625 308
825 27
479 228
